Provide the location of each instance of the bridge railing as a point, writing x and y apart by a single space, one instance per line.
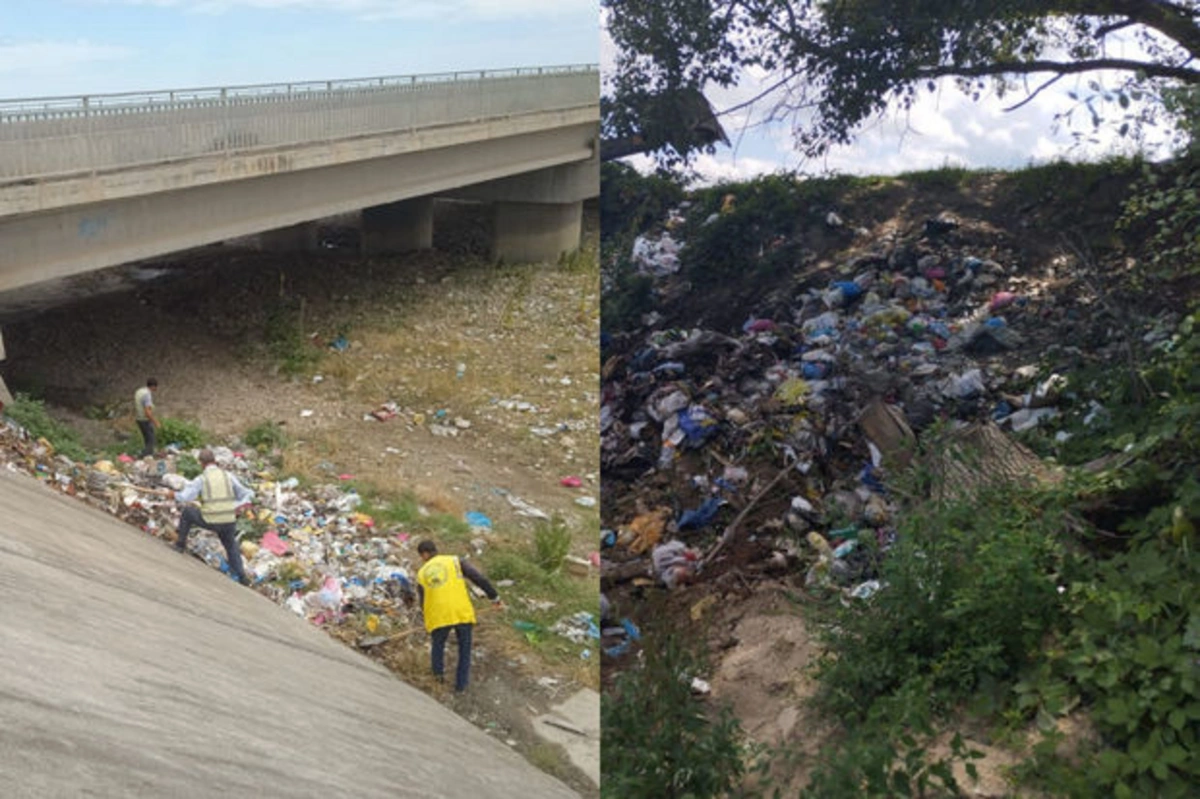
58 136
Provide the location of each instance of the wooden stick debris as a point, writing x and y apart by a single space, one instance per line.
562 725
731 530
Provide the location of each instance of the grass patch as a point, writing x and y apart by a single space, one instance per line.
527 628
409 512
552 759
287 344
941 179
266 436
551 544
31 414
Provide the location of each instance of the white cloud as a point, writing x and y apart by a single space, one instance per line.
48 56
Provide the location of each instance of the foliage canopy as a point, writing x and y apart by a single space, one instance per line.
838 63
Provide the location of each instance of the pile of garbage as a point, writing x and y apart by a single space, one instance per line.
309 550
833 384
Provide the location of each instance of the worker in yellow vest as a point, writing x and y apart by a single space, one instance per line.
220 495
447 606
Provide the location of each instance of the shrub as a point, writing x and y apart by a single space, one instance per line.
183 434
31 414
266 436
658 741
1133 654
551 543
971 591
187 466
284 336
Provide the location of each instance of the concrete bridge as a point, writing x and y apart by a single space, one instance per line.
91 182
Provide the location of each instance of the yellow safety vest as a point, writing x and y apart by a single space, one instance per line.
446 599
218 503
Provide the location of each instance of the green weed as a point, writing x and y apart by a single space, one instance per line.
31 414
182 433
551 544
266 436
660 741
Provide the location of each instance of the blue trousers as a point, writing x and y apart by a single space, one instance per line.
226 532
437 653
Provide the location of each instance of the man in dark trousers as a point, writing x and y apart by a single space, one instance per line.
447 606
143 411
220 494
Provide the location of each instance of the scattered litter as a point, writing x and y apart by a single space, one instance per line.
675 563
523 508
477 519
701 517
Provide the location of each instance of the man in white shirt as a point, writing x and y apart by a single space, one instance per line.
220 495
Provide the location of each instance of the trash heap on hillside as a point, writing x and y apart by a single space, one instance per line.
309 550
832 384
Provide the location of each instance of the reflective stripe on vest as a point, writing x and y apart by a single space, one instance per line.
218 504
446 599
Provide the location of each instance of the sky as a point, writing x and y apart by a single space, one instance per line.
76 47
945 128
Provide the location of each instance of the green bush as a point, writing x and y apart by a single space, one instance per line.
181 433
971 591
284 336
31 414
551 544
659 742
266 436
759 228
187 466
631 203
1135 653
1161 216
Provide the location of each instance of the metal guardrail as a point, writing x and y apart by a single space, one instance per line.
57 136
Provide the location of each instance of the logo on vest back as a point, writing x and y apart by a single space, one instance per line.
437 575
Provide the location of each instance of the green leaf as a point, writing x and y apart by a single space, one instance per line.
1191 635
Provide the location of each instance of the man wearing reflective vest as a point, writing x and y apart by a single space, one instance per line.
447 606
220 494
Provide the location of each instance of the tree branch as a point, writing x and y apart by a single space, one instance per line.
1060 67
1104 30
782 81
1171 20
1035 93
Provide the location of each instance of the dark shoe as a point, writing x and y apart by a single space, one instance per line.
245 581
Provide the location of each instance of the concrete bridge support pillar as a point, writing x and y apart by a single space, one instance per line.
5 397
294 238
525 232
398 227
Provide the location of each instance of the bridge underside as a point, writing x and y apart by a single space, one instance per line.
536 178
